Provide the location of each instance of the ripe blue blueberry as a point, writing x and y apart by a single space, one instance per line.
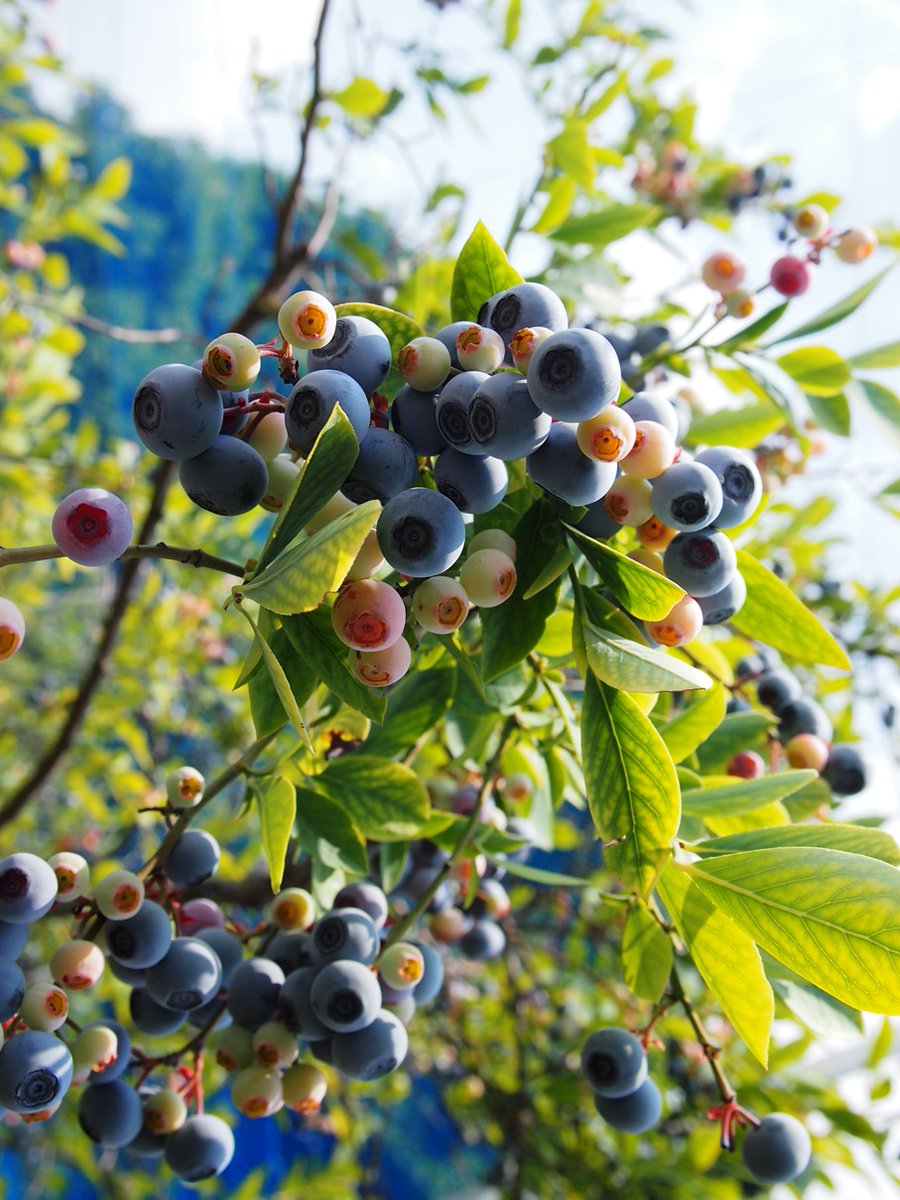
777 1150
385 466
523 306
845 770
597 523
776 688
475 485
228 478
28 887
432 976
291 949
804 716
35 1071
295 1006
226 946
12 988
635 1113
421 533
701 563
560 468
364 895
484 940
650 337
573 374
177 412
254 990
741 483
414 417
110 1113
152 1018
192 859
201 1149
614 1062
187 976
722 606
141 940
92 526
233 416
503 419
452 410
359 349
312 401
373 1052
13 939
651 406
687 496
346 933
345 996
448 336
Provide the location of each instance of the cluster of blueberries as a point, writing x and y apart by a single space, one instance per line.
614 1063
804 729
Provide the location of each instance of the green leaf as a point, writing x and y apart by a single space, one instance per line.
819 1012
511 22
887 355
819 370
361 98
266 708
512 629
396 326
561 193
329 461
835 313
728 961
745 795
392 859
636 667
738 731
773 615
885 402
315 641
328 835
481 270
303 574
741 427
277 808
828 915
630 783
658 69
608 224
691 727
645 593
539 875
280 682
618 86
571 152
113 181
854 839
646 954
831 412
385 800
416 705
753 332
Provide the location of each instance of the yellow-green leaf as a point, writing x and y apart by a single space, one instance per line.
636 667
277 809
385 800
732 796
280 682
819 370
693 725
481 270
644 593
646 954
361 98
855 839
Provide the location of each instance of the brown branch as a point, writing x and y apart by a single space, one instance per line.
181 554
125 333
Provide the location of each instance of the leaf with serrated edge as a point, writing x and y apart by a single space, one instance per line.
743 795
300 578
482 269
277 809
726 958
631 785
396 326
636 667
646 954
854 839
774 615
645 593
280 682
832 917
684 733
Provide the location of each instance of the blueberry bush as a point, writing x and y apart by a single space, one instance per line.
413 697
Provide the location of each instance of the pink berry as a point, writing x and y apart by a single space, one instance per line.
654 449
790 276
368 615
92 526
479 349
724 271
489 577
440 604
746 764
77 965
198 914
12 629
682 623
856 244
379 668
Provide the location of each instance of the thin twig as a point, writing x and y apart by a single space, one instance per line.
181 554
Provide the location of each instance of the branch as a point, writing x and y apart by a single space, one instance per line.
182 554
125 333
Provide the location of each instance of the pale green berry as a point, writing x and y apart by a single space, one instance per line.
77 965
73 874
401 966
307 320
164 1111
293 908
44 1006
440 604
493 539
283 473
275 1046
119 895
184 787
304 1087
231 362
489 577
424 363
257 1092
234 1048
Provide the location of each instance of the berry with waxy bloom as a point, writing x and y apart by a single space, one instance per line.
231 362
306 320
790 276
92 527
379 668
12 628
441 604
368 615
681 625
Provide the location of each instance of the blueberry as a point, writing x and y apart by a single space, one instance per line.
776 688
110 1113
346 933
804 716
359 349
201 1017
177 412
651 406
845 770
364 895
448 336
701 563
635 1113
345 996
228 478
28 887
523 306
12 988
614 1062
385 466
432 977
483 941
723 605
373 1052
777 1150
597 523
573 374
186 977
452 410
295 1006
141 940
202 1148
650 338
133 976
503 420
741 483
622 344
292 948
233 416
254 990
13 939
35 1071
414 417
560 468
475 485
687 496
152 1018
193 858
421 533
312 401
